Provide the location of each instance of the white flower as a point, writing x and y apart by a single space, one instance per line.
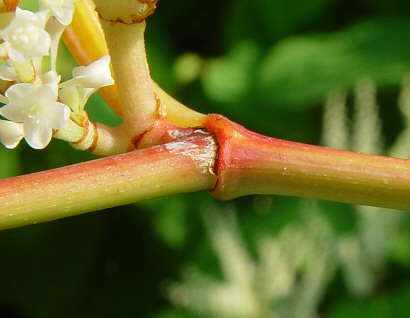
61 9
61 12
95 75
35 106
75 97
52 79
10 133
25 36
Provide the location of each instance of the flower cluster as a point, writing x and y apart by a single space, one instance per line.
35 103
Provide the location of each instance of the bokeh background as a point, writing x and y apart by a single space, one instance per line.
331 72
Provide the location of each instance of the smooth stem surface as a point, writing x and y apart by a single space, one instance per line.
167 169
96 138
249 163
176 112
127 49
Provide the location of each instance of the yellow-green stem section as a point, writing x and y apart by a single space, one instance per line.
127 49
96 138
162 170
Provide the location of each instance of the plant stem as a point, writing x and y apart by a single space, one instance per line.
127 49
95 138
249 163
176 167
176 112
85 40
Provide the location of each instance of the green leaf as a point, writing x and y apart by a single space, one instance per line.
300 71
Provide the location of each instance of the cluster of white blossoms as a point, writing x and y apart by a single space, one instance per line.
35 103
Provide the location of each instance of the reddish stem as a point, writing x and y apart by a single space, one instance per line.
184 165
249 163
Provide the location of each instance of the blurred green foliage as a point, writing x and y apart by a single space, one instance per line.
268 64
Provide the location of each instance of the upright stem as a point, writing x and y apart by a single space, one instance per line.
176 167
127 49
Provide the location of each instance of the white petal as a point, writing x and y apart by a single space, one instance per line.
55 116
19 100
10 133
51 78
14 112
62 10
37 136
70 96
41 18
25 36
85 94
55 29
8 73
15 55
95 75
26 15
15 93
47 93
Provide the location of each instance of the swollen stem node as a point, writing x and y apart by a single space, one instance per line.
249 163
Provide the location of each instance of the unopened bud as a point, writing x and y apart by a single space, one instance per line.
125 11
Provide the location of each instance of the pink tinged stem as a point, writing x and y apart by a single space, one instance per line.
176 167
249 163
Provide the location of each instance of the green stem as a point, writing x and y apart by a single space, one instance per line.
136 92
96 138
176 167
249 163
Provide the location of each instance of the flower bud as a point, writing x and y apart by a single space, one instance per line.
125 11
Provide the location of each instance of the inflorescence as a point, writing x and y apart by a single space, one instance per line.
34 104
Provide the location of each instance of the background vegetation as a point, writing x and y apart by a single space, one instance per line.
270 65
